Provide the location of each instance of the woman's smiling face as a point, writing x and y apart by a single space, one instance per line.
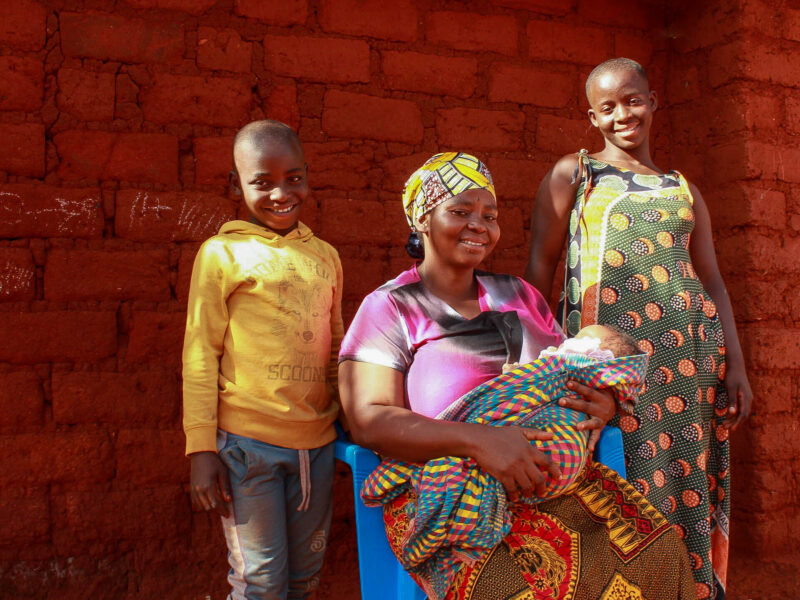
622 107
463 230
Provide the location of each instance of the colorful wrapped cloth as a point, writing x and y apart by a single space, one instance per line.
441 177
461 511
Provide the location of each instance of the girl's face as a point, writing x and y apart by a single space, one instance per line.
463 230
622 107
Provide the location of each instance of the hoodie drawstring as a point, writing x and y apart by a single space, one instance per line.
305 480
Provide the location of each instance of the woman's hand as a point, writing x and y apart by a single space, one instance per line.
210 486
598 404
508 455
740 396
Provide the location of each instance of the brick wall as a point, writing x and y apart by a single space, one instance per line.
732 88
116 118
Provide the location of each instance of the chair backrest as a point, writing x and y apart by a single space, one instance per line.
381 575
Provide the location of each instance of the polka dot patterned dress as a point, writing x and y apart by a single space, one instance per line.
628 265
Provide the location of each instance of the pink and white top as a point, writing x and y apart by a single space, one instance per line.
404 326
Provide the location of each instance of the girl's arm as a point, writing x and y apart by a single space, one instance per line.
549 223
704 259
372 399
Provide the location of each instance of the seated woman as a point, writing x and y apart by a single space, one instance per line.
429 336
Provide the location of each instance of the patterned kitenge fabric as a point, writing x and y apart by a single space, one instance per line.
460 511
603 541
628 265
443 176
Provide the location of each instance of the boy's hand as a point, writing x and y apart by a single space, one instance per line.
210 486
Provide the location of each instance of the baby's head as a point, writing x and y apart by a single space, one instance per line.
610 338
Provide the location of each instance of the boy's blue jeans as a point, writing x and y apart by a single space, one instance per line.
275 550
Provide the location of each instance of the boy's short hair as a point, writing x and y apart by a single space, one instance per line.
266 131
614 65
621 343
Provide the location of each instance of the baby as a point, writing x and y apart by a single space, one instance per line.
598 356
460 510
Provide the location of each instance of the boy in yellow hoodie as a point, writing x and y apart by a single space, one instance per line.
263 329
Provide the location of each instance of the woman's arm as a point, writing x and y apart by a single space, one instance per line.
549 223
372 399
704 259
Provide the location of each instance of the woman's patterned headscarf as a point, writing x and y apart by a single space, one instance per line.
443 176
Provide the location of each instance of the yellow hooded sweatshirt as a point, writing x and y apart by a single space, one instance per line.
263 329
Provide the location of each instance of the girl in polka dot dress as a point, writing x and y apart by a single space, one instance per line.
640 256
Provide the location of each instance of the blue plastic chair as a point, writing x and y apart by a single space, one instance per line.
382 576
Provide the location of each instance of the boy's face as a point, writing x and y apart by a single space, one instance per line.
622 107
273 180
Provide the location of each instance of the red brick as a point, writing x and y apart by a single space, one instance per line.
74 275
395 21
773 162
156 338
759 61
289 12
185 264
372 267
45 211
151 456
512 228
530 85
341 211
128 399
22 401
468 31
194 7
57 336
212 159
85 95
335 165
361 116
281 105
429 73
754 300
563 136
772 347
23 83
778 389
219 101
622 13
515 178
170 216
636 47
150 513
550 7
743 205
397 171
22 24
683 83
223 50
109 37
548 40
56 456
469 129
22 149
124 156
25 514
329 60
792 120
17 274
765 253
